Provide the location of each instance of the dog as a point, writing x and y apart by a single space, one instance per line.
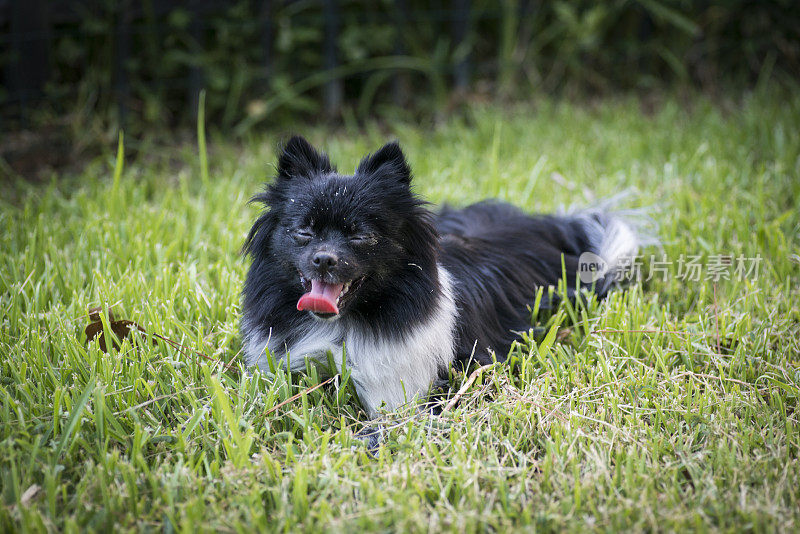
358 266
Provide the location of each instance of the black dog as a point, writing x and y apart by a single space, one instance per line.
357 265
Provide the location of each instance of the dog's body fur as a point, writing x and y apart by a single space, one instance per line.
426 290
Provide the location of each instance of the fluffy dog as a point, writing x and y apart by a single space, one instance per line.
358 265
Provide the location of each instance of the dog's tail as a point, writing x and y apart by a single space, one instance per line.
615 238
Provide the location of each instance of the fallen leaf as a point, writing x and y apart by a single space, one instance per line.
120 327
563 334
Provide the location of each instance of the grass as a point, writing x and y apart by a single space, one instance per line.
669 406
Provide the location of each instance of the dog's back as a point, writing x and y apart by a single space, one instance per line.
500 256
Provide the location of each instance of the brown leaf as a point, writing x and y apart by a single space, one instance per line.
121 328
563 334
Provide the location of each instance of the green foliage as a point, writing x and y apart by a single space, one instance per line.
515 47
670 406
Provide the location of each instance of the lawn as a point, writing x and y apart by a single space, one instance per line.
671 405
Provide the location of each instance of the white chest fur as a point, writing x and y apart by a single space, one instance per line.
391 370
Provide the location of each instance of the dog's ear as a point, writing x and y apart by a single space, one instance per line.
299 158
259 234
387 163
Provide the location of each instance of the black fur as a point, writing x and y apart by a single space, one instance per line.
388 242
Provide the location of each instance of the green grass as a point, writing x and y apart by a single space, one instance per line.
672 405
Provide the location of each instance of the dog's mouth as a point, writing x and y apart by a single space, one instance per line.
324 299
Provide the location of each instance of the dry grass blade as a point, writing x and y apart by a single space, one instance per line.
298 395
463 389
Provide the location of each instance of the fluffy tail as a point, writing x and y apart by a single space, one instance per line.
615 239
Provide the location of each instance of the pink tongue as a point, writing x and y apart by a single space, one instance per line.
321 298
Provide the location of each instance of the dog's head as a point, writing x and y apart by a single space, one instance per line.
339 239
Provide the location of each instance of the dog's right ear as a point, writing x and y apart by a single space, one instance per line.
300 159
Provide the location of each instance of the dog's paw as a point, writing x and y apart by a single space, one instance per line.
372 436
440 385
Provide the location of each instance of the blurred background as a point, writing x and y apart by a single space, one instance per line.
75 72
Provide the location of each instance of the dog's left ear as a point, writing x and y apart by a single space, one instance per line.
387 163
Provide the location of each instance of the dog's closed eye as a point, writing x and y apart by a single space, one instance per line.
301 236
363 239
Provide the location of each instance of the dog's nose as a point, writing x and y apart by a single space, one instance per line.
325 260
